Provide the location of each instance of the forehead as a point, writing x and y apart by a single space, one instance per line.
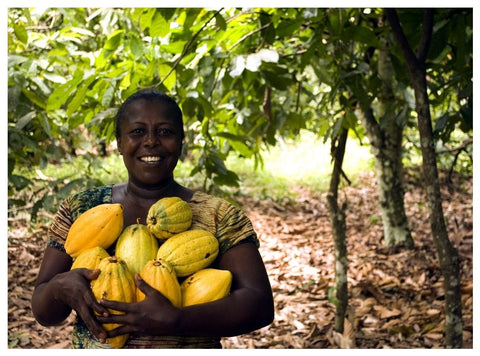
144 107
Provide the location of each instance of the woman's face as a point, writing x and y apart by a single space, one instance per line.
150 143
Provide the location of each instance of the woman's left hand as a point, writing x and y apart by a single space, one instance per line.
155 315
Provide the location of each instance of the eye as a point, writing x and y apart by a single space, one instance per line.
164 132
137 131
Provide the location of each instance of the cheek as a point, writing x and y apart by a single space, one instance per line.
126 145
173 145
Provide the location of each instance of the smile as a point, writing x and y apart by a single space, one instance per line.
151 159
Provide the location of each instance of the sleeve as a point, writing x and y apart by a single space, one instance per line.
234 227
58 230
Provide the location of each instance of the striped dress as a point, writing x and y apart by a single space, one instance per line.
228 223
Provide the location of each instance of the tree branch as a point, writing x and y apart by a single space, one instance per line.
186 48
410 57
426 39
245 36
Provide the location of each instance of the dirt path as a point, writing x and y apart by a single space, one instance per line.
396 297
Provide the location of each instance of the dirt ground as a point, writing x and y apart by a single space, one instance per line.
396 296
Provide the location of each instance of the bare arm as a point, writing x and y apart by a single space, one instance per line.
248 307
59 290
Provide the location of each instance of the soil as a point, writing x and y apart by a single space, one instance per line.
396 295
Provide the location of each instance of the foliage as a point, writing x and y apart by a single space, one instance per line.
243 78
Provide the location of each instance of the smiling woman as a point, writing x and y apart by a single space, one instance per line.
149 137
149 132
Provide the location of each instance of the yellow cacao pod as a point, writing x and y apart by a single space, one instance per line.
98 226
116 283
189 251
90 258
206 285
136 246
169 216
160 275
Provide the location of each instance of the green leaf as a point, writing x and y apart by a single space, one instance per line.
61 94
19 182
136 46
159 27
108 95
236 142
216 164
24 120
71 187
168 82
174 47
21 33
268 33
220 22
278 77
114 40
125 82
45 123
146 18
361 34
34 98
288 27
15 59
230 179
79 97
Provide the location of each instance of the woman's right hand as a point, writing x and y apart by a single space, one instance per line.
58 290
73 288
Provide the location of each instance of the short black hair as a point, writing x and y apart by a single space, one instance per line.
152 95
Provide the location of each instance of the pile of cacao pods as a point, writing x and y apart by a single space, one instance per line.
168 255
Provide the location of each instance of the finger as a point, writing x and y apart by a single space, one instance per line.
143 286
119 306
121 330
89 274
92 302
92 324
113 319
93 274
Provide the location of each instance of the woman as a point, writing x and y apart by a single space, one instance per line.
149 132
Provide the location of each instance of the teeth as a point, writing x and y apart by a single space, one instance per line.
150 158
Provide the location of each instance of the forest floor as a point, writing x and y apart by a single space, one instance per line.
396 295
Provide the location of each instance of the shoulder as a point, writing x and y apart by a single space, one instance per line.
214 211
206 202
89 198
200 197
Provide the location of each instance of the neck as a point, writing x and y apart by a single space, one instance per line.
135 191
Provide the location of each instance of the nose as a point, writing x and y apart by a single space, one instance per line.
151 138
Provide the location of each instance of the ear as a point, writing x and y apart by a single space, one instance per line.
119 146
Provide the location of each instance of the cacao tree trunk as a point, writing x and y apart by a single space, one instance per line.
337 219
386 142
386 150
447 254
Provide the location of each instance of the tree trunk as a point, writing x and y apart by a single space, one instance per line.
337 219
386 149
447 254
386 143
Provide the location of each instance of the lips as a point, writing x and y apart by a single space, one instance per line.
151 159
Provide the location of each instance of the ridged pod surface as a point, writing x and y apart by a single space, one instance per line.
116 283
136 246
90 258
160 275
189 251
169 216
206 285
98 226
